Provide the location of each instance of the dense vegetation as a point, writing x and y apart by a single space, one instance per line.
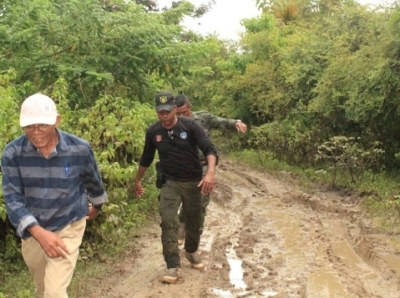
318 82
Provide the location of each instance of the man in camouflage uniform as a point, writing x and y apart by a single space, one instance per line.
207 121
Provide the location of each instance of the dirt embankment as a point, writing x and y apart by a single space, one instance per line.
266 238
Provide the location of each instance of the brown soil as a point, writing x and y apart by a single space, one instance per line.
264 237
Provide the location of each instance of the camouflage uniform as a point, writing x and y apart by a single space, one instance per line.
208 121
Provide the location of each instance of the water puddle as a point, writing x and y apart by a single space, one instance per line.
269 293
223 293
393 261
227 294
236 272
324 284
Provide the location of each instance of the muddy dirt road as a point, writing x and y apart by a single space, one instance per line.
266 238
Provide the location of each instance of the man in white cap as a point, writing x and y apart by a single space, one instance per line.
47 175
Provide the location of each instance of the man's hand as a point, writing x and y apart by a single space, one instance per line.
207 183
93 212
139 190
240 126
51 243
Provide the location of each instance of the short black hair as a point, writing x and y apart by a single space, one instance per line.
181 100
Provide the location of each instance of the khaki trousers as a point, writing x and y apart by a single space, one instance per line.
52 276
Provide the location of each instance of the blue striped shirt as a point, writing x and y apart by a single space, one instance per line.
51 192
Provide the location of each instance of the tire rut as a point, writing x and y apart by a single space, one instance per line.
264 237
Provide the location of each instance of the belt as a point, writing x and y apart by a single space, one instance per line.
181 179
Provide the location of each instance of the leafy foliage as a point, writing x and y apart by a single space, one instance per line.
291 142
348 153
317 82
102 63
96 51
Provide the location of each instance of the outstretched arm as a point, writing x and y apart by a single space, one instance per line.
240 126
209 121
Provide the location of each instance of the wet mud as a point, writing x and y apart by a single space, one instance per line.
264 237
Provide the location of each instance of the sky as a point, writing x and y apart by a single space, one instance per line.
224 19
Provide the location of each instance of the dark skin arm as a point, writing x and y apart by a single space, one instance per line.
208 182
139 190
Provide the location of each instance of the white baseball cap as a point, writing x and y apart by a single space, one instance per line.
38 109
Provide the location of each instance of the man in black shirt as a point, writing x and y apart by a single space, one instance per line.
178 139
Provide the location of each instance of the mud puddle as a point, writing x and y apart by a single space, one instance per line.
266 238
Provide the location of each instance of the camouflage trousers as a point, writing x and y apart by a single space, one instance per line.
172 195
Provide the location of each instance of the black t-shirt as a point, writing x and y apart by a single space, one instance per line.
177 149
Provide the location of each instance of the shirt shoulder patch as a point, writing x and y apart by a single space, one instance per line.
183 135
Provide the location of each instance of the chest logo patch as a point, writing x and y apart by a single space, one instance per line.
158 138
183 135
